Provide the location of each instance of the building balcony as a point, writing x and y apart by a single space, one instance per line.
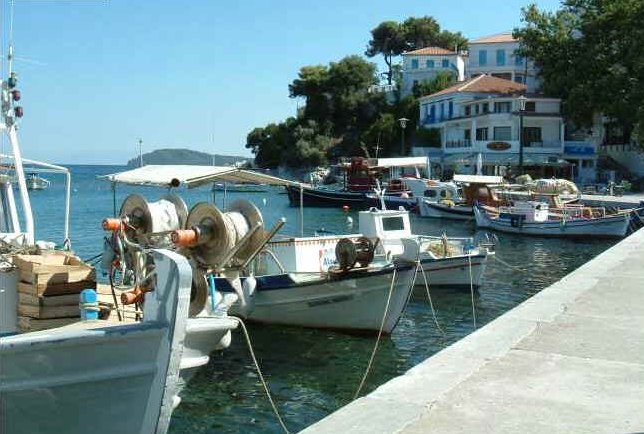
502 146
462 143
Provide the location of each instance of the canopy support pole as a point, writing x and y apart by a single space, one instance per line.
301 210
225 194
114 198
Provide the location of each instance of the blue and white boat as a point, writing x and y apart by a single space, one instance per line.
536 218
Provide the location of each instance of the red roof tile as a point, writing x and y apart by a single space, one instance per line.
430 51
485 84
499 37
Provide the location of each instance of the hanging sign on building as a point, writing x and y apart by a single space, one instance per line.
499 146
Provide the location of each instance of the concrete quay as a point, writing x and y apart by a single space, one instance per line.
568 360
625 201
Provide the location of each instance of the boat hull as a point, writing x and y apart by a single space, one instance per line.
438 210
452 272
316 197
355 302
611 226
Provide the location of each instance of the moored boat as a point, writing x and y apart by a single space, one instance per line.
535 218
455 199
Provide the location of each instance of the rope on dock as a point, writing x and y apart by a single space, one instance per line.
382 325
261 376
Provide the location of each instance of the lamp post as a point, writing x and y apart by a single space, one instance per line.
140 153
403 125
522 100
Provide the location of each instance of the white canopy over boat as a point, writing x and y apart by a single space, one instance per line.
479 179
193 176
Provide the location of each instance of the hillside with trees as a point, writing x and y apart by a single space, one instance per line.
185 156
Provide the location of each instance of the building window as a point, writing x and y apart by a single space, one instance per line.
442 111
587 164
450 109
486 107
414 63
477 109
502 133
518 79
430 64
432 114
500 57
518 60
532 136
502 107
468 110
445 63
482 58
530 106
481 134
467 134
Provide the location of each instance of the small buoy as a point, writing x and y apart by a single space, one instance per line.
345 208
264 201
349 221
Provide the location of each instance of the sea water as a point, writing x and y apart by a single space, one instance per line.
312 373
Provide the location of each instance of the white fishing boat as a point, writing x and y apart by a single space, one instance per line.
344 282
61 379
35 182
455 200
536 218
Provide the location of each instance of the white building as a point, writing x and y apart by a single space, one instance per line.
479 119
424 64
496 55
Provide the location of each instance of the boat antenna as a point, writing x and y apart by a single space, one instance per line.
10 115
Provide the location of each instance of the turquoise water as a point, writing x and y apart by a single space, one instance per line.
311 372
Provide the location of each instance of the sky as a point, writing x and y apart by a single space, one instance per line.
97 75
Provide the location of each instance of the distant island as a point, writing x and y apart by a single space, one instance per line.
186 156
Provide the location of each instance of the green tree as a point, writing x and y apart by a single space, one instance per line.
426 32
590 54
442 80
388 40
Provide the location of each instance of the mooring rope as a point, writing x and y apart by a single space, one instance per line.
382 325
261 376
469 260
429 298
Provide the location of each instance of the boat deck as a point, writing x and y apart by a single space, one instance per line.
568 360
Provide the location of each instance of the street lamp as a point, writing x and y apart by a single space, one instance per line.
522 100
140 153
403 125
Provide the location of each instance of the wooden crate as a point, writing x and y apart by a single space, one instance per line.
28 324
53 268
49 312
44 289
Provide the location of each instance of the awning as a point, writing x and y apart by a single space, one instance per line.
193 176
478 179
505 159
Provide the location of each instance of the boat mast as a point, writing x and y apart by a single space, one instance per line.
10 113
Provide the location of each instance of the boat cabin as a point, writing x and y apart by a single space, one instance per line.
525 211
389 226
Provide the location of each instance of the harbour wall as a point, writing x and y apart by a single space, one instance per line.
568 360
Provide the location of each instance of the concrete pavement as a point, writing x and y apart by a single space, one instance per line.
568 360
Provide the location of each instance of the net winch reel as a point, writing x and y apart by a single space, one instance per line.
140 225
350 253
223 243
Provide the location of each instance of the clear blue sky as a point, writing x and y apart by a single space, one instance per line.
97 75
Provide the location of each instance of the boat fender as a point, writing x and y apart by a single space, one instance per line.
447 202
88 305
249 286
373 209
